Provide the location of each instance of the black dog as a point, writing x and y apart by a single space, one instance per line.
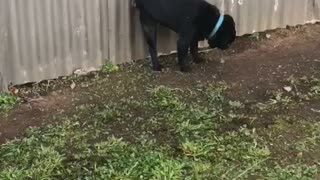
193 20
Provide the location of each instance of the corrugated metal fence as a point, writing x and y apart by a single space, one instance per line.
43 39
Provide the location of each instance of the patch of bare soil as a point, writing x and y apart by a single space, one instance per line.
34 112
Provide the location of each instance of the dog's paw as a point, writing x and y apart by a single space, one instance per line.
185 69
157 68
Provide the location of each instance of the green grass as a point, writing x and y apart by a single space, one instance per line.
127 125
7 102
121 140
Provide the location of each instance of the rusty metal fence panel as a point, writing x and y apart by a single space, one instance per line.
44 39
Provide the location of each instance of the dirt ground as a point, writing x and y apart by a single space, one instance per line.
254 65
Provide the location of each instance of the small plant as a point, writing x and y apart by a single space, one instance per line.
255 36
7 101
110 68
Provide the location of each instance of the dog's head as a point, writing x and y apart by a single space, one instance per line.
225 36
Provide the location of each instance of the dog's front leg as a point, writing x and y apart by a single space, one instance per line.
194 48
184 42
183 47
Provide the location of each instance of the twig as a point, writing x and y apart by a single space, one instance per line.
225 174
315 110
251 167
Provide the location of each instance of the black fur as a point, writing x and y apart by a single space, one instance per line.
192 20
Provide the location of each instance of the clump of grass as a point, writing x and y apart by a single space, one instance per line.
310 139
64 151
315 88
255 36
216 92
293 172
277 101
165 98
306 88
7 101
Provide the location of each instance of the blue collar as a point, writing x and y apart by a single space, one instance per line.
217 27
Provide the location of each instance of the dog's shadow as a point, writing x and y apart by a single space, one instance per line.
212 64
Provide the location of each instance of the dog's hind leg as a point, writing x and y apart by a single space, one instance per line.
149 27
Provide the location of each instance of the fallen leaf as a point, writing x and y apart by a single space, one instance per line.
73 85
80 72
288 88
268 36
